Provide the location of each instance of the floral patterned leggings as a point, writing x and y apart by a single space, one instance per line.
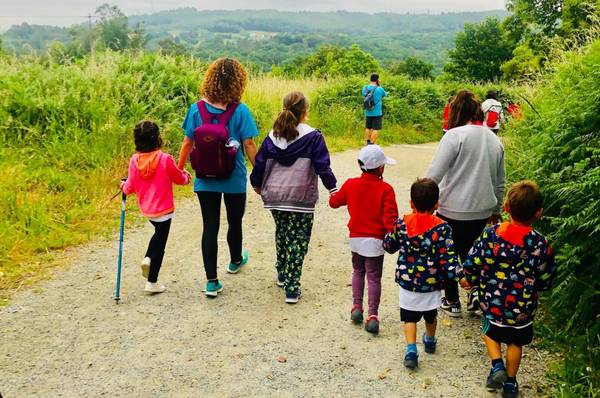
292 236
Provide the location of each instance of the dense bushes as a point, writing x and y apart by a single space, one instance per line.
558 145
65 132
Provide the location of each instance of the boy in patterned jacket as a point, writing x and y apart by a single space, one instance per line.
426 260
510 264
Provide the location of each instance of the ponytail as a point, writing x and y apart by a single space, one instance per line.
465 108
295 106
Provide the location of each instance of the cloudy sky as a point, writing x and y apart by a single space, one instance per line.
67 12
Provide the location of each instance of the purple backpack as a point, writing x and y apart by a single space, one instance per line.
214 153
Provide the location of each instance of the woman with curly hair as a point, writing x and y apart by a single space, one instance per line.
222 89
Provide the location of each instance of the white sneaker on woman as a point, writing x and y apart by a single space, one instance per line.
154 288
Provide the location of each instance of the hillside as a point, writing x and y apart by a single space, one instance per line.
268 37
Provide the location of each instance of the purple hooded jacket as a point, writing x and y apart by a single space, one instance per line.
286 172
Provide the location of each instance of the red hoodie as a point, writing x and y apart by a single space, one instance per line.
371 203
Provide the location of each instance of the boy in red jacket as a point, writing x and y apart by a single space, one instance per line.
372 207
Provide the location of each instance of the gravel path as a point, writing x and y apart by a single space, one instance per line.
67 338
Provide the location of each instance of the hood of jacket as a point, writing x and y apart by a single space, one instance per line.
287 152
147 163
419 223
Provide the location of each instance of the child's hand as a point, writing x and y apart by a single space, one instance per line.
465 284
189 176
122 183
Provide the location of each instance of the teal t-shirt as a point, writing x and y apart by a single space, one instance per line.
241 127
378 94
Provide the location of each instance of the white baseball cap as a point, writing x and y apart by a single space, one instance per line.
372 157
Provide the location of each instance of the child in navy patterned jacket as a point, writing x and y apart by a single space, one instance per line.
427 259
509 264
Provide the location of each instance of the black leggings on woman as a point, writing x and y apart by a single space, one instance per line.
464 234
156 248
210 204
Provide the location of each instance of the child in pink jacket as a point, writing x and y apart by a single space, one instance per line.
151 176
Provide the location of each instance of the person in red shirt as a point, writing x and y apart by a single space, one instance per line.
373 211
446 115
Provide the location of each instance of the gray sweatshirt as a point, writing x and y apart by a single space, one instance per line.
469 168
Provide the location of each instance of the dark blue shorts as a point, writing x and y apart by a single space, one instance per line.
507 334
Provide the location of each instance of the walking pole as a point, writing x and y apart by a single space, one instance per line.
117 296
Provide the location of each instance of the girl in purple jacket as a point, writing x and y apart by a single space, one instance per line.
285 175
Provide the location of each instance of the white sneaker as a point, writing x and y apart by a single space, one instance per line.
146 266
154 288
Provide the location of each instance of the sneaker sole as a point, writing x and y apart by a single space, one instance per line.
213 293
429 350
411 364
151 292
145 270
291 301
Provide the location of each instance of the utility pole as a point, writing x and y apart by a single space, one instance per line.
89 17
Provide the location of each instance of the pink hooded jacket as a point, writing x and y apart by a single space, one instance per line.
151 178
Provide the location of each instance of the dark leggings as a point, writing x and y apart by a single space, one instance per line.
156 248
210 204
464 234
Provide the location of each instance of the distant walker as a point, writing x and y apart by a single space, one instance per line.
373 95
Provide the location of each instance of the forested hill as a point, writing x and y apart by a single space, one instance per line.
269 37
307 22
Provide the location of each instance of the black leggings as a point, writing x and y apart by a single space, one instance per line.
210 204
464 234
156 248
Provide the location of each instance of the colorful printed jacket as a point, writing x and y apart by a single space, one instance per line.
510 264
427 258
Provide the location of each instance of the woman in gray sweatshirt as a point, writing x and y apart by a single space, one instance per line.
469 168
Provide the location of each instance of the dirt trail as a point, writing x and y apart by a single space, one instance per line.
68 338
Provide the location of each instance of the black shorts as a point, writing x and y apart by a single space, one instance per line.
415 316
507 334
374 122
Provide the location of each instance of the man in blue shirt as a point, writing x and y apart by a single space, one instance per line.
374 114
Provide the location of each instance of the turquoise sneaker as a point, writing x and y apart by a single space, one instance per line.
233 268
213 288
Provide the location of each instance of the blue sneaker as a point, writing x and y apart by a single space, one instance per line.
496 377
411 360
510 390
293 297
213 288
429 344
233 268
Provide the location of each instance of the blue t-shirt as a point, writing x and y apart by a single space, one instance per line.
378 94
241 127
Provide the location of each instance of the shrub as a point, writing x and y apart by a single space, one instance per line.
558 145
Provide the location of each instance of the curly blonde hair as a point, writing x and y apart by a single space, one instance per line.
224 81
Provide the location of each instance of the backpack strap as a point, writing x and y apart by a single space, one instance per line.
222 118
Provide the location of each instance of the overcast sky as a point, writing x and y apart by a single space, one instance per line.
68 12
